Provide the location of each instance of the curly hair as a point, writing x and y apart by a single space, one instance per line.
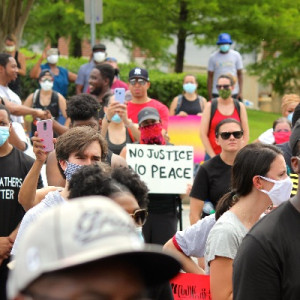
288 99
132 181
83 107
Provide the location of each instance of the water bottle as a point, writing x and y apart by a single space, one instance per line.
248 103
208 208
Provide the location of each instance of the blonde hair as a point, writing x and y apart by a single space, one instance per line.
287 100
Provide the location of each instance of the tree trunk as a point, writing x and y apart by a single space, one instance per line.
76 46
181 37
13 17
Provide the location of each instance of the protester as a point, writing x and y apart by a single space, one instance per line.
288 105
221 108
224 61
46 99
97 56
213 178
78 146
139 83
117 83
10 48
62 76
188 103
259 180
266 265
14 167
107 261
83 110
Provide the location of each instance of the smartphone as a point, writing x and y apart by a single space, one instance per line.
45 131
120 95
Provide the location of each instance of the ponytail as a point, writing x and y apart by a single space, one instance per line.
225 203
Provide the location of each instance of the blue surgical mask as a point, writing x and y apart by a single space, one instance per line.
189 87
225 47
4 134
140 233
71 169
290 116
116 118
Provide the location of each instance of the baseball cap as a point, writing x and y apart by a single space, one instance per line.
99 47
52 51
84 230
148 113
139 73
295 136
46 72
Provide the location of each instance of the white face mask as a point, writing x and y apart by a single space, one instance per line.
52 59
46 85
10 48
280 192
99 56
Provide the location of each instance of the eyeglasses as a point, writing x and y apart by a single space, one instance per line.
224 86
140 81
236 134
110 59
139 216
46 79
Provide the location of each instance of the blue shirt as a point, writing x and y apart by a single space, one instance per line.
61 81
84 74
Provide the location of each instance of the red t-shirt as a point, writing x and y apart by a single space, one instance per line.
119 84
218 117
134 108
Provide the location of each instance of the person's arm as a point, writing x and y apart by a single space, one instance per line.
240 81
202 105
123 152
72 76
36 70
5 247
122 110
111 109
188 265
221 278
196 207
16 141
210 76
54 177
164 116
22 61
173 106
62 105
79 89
244 122
204 129
118 161
58 128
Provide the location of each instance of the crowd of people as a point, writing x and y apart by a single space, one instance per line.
89 228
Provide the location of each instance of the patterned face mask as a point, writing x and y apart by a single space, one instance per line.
71 169
151 134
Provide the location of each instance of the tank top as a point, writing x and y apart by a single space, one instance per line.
116 148
15 85
191 107
218 117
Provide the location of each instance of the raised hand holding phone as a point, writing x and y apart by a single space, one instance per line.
45 132
119 95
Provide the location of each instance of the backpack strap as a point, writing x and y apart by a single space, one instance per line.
237 106
35 94
131 135
179 103
200 99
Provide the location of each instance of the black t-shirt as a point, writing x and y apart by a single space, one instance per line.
190 107
14 168
212 180
267 265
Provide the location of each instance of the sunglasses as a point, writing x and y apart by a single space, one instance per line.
139 216
236 134
140 81
224 86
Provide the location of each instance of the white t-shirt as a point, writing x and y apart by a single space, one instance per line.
7 93
267 137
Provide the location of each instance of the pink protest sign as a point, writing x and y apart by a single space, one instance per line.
191 286
186 131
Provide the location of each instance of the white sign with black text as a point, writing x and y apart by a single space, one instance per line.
165 169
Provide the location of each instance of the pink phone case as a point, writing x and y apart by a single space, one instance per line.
45 131
119 94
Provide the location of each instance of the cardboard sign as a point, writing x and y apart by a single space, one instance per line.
186 131
191 286
165 169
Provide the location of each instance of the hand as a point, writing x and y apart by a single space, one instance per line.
112 109
48 115
5 246
38 148
182 114
41 114
188 189
122 111
44 54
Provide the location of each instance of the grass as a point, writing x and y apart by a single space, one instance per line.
260 121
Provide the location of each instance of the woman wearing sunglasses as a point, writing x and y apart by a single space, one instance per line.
213 177
219 109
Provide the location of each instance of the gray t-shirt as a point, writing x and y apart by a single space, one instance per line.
224 239
193 239
52 199
224 63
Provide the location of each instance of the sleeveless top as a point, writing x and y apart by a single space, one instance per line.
218 117
15 85
191 107
116 148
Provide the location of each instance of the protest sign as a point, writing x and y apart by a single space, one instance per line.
165 169
186 131
189 286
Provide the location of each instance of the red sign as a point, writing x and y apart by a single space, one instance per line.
191 286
